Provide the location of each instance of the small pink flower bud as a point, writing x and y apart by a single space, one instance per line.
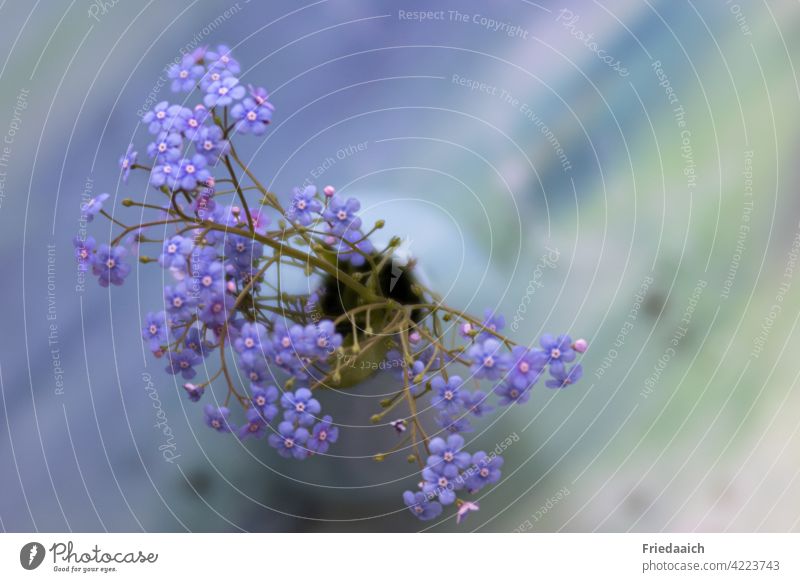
330 240
235 210
329 191
231 287
414 337
580 345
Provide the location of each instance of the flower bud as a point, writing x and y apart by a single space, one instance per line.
329 191
580 345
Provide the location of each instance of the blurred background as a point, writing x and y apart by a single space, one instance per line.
629 167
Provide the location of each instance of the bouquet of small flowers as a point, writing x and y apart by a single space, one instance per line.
225 239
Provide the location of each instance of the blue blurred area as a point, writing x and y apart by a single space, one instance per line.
484 150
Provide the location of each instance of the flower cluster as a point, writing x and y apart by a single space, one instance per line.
272 352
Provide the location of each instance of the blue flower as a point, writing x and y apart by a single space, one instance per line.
485 471
290 441
251 116
441 483
322 338
488 361
446 395
304 205
341 215
94 206
126 162
492 322
322 435
352 247
252 339
254 367
448 453
558 350
290 339
563 377
179 304
242 251
509 394
155 330
422 508
163 117
194 122
109 266
167 147
453 425
216 309
192 171
209 278
527 367
211 144
223 92
256 426
476 403
83 251
300 407
196 341
264 399
222 59
217 418
193 391
185 75
164 174
174 252
183 362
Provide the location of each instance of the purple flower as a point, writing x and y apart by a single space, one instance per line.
448 453
304 205
289 441
252 339
126 162
322 435
476 403
194 122
256 426
83 251
485 471
217 418
254 366
193 391
242 251
109 266
341 215
163 117
94 206
179 304
216 309
185 75
300 407
223 92
211 144
527 366
322 338
464 509
422 508
492 322
563 377
453 425
221 59
196 341
209 278
488 361
155 330
192 171
353 247
164 174
446 395
251 116
558 350
167 147
174 252
509 394
183 362
441 483
264 399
